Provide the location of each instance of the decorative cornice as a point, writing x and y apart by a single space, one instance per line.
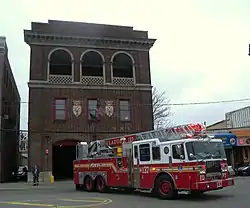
33 38
45 84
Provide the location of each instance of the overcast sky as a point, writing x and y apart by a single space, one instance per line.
201 53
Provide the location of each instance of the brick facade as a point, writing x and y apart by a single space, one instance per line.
77 38
9 116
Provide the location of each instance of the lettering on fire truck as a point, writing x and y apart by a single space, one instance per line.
97 166
117 141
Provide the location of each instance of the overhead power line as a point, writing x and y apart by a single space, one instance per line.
64 131
191 103
211 102
93 132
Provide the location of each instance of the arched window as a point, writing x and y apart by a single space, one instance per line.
92 64
122 66
60 63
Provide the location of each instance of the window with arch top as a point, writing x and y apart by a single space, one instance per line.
122 66
92 64
60 63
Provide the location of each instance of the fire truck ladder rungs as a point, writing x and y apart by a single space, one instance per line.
166 134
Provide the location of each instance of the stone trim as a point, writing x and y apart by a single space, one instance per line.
33 38
44 84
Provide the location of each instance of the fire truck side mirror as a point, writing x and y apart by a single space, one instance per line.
191 155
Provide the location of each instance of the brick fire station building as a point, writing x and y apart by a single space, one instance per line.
87 82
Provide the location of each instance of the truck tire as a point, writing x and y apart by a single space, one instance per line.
165 188
88 184
101 184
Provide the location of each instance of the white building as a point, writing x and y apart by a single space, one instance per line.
238 118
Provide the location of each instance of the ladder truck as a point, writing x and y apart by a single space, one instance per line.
165 162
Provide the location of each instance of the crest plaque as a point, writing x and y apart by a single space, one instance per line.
109 108
77 108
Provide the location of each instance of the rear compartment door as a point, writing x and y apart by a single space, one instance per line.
130 167
136 167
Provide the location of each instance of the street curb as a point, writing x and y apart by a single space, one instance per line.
29 186
241 177
26 188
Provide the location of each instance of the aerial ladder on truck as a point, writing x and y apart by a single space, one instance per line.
105 147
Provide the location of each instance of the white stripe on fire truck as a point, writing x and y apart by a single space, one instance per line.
173 169
152 169
101 165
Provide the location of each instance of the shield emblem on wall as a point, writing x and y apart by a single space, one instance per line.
77 108
109 108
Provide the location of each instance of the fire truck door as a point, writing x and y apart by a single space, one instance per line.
136 164
180 173
142 166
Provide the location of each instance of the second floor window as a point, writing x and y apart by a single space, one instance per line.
92 109
124 110
60 112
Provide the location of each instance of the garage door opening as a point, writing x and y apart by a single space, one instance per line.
64 152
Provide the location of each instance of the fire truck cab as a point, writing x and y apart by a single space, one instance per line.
165 165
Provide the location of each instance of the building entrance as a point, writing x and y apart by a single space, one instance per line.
64 152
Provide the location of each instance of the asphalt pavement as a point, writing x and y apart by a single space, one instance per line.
63 195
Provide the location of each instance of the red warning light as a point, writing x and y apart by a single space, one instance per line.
47 151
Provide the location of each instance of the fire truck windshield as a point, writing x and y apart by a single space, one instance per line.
200 150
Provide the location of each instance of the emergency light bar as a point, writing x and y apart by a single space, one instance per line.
195 136
187 136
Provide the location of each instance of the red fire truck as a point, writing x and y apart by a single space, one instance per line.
165 162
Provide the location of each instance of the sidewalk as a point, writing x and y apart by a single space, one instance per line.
25 185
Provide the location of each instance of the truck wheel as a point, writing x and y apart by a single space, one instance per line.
164 188
101 184
88 184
